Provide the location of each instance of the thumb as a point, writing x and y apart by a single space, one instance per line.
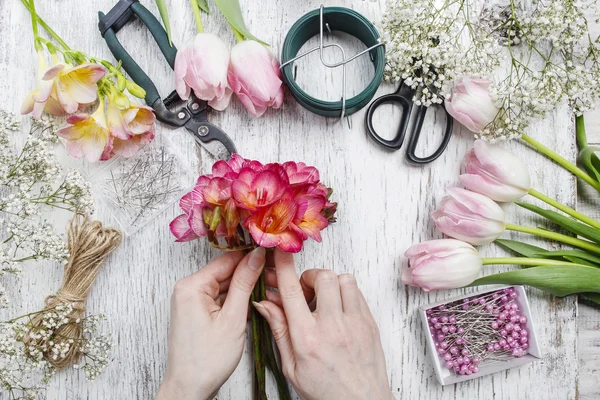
281 333
242 283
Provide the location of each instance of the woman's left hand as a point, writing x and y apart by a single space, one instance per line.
209 310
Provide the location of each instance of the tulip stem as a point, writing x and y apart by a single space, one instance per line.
580 132
566 209
530 262
238 36
197 15
569 166
51 32
583 244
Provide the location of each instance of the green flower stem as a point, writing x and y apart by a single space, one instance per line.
34 26
238 36
582 244
566 209
197 15
580 132
530 262
562 161
44 25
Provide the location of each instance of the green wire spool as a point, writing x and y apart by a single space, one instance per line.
337 19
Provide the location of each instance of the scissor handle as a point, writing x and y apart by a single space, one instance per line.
117 17
396 142
414 137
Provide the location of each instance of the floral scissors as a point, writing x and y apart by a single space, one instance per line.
404 97
190 114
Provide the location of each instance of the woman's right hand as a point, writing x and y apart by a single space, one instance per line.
333 352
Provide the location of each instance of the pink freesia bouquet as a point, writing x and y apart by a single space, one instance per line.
244 204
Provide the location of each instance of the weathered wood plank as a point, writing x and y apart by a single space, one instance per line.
384 208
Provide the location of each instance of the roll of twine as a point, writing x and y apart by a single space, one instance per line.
89 244
339 19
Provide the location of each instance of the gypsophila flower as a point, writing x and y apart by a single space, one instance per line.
28 350
30 183
553 61
428 46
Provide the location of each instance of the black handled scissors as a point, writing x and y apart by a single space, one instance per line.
190 114
404 97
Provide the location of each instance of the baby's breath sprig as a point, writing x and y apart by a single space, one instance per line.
31 182
430 45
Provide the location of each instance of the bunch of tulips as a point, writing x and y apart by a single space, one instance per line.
473 217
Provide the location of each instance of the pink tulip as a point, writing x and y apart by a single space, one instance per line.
87 135
495 173
201 65
441 264
469 216
255 78
471 104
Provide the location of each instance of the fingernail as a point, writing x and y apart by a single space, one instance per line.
257 258
261 309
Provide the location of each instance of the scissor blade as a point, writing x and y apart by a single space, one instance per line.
215 148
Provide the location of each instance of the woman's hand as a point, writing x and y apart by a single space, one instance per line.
334 352
206 336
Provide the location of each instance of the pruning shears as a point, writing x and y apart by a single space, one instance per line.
190 114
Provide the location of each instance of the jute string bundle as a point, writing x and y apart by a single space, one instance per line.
89 244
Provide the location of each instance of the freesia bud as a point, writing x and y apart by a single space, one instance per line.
255 77
469 216
201 65
135 90
121 82
495 173
441 264
471 103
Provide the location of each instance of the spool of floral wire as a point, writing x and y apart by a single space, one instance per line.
332 19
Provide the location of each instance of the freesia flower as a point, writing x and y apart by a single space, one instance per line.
36 99
471 103
273 205
469 216
255 77
495 173
75 85
441 264
130 128
201 65
87 135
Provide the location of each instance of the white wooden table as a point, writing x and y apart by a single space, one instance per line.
384 206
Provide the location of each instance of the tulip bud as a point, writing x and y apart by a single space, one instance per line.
135 90
471 103
495 173
469 216
441 264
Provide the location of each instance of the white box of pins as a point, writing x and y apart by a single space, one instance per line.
480 334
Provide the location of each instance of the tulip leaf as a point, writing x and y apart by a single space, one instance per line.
581 261
594 297
590 161
592 259
164 15
523 249
559 280
233 13
571 225
203 6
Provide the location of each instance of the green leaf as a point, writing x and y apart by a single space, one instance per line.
581 261
590 161
582 255
594 297
523 249
567 223
164 15
203 6
557 280
233 13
